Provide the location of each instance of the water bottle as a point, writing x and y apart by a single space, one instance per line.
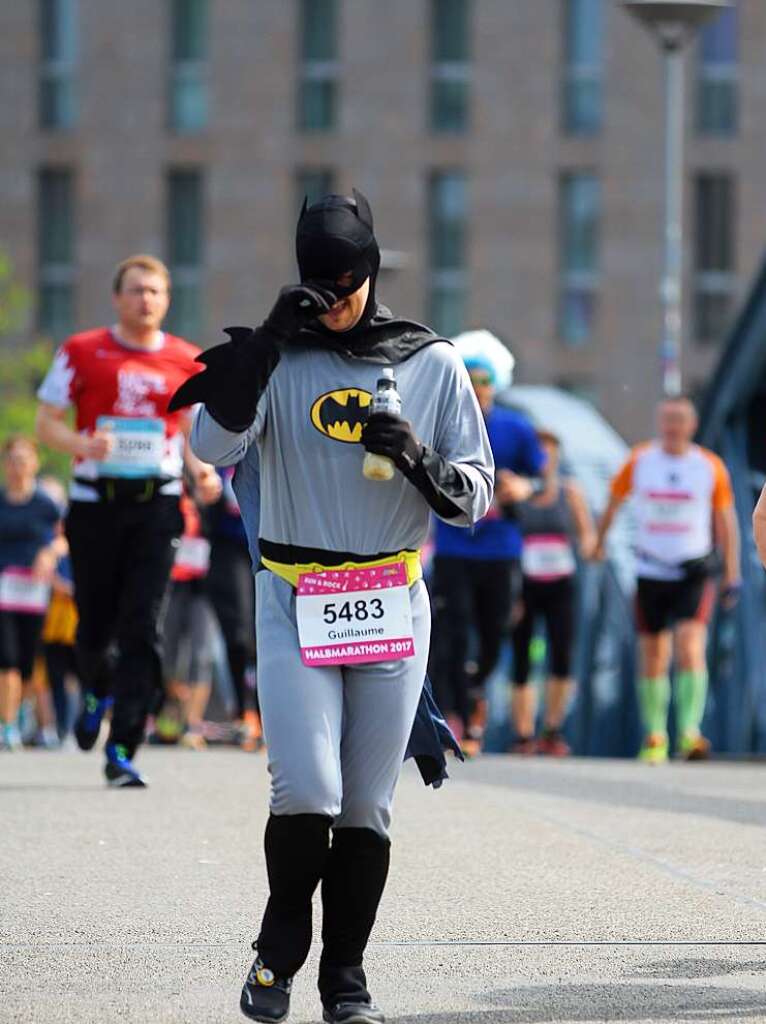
385 399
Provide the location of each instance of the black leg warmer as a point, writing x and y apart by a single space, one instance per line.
297 847
352 887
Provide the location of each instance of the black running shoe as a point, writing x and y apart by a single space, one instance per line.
88 723
120 771
265 997
353 1013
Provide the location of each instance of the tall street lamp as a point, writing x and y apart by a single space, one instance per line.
673 23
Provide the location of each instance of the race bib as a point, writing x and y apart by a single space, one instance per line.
668 513
139 445
547 557
353 616
193 555
21 592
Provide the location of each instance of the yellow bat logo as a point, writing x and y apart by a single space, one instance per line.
341 414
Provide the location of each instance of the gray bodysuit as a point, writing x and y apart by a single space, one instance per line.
336 736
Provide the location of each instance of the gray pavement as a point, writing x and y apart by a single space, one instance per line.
522 892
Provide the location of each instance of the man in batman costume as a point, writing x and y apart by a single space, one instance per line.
287 403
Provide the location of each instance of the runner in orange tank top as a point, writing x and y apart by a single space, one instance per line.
685 519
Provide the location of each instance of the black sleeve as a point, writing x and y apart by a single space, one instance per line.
236 375
441 483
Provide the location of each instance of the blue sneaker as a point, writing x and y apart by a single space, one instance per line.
88 723
11 737
119 769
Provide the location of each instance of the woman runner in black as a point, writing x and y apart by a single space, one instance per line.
553 525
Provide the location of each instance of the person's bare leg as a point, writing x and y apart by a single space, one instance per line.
655 650
524 710
558 694
179 692
198 701
10 701
43 701
199 695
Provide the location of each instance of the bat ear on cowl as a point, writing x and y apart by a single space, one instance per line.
363 211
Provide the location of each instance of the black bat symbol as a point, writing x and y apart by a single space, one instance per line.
353 413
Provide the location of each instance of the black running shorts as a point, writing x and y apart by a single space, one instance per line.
661 604
19 641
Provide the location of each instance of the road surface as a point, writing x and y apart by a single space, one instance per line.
522 892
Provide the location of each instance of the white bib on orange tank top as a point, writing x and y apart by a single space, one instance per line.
675 496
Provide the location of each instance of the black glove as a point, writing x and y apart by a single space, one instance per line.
392 436
236 373
439 481
296 305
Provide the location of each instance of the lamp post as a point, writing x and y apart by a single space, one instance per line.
673 23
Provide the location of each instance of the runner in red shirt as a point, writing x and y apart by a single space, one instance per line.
129 455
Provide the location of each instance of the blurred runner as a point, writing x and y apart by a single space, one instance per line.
59 633
555 525
129 453
29 521
685 516
188 633
476 573
59 664
231 588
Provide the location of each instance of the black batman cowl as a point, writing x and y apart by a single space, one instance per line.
335 237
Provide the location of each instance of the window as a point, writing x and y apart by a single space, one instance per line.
58 54
450 70
717 91
55 252
188 99
185 246
318 86
313 183
715 259
582 94
579 243
448 217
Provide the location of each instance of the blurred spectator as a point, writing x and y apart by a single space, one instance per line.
476 573
29 524
59 664
188 631
231 588
554 524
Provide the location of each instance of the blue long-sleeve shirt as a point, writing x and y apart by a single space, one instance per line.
515 447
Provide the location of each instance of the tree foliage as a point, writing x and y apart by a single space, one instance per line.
22 368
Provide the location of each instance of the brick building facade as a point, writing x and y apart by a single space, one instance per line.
511 150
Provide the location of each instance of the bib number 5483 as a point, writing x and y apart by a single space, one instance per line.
353 611
354 616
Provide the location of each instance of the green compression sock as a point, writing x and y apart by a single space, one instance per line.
690 697
654 700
